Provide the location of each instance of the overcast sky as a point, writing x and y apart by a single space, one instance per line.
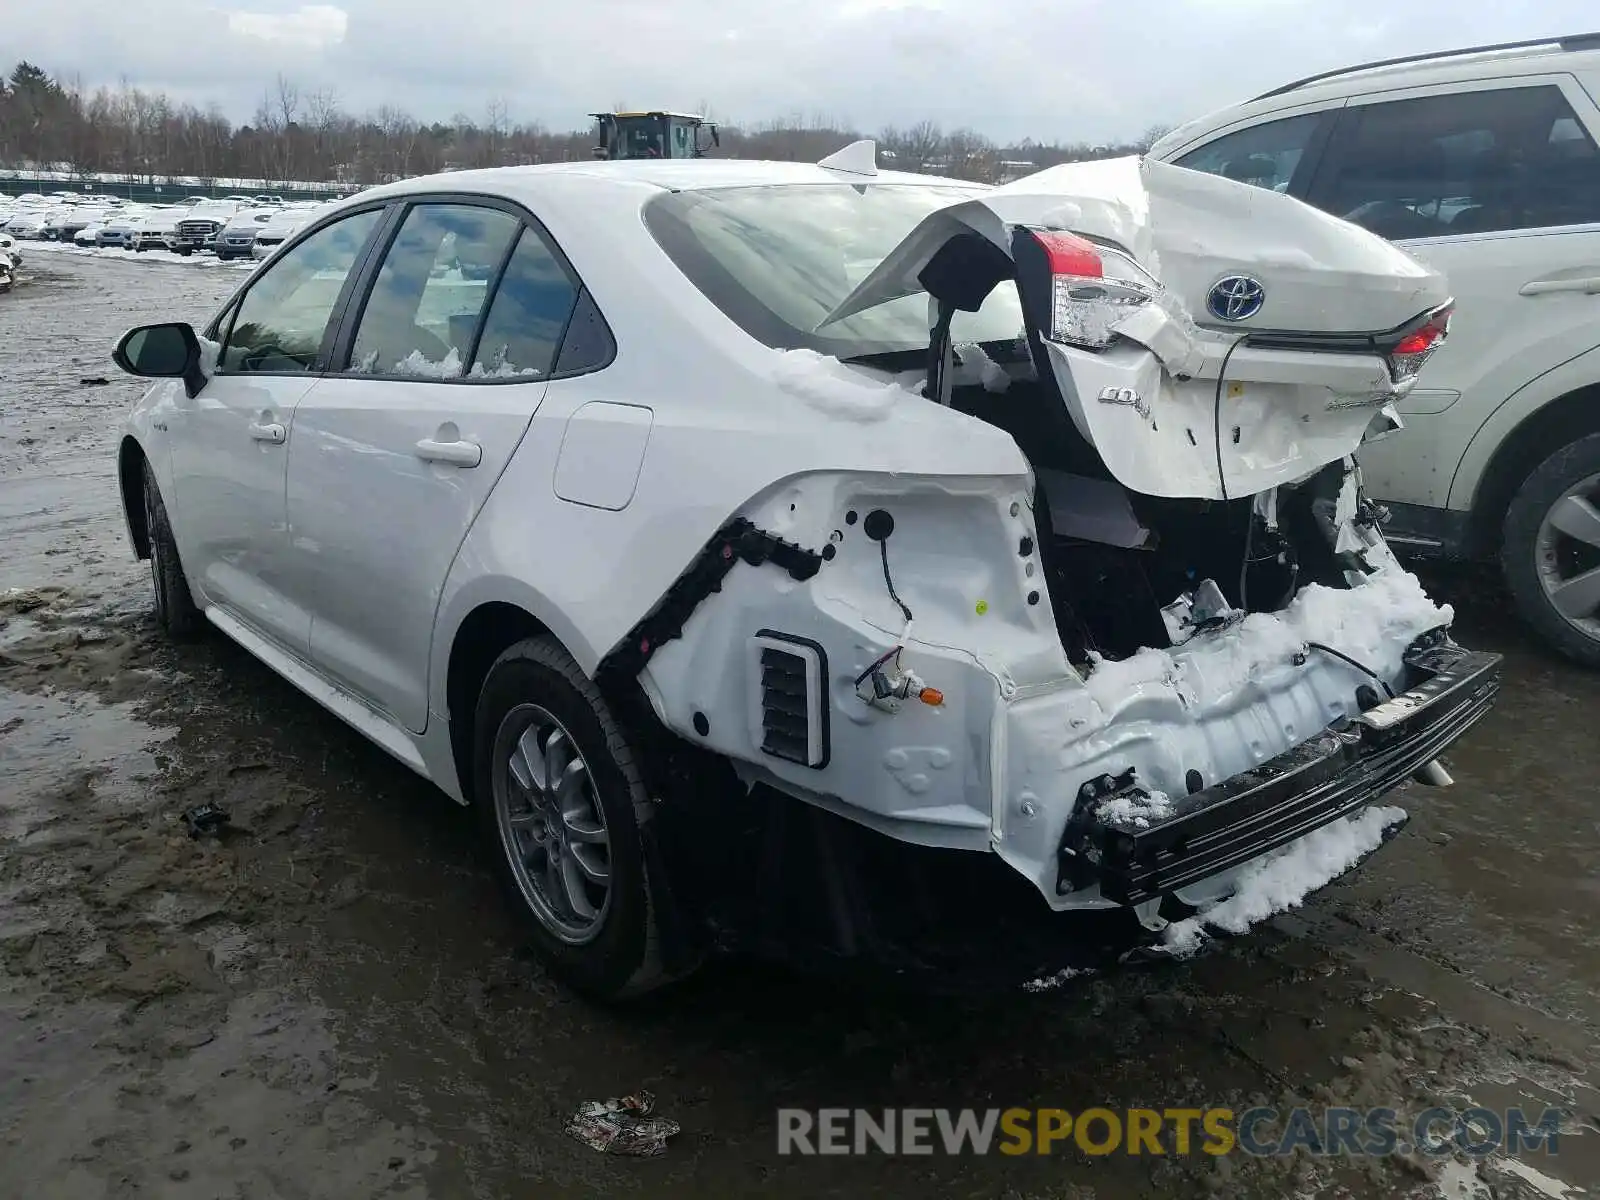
1054 69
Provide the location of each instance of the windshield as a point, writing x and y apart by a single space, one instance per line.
778 259
640 137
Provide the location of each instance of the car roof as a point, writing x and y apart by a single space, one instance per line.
650 174
1575 53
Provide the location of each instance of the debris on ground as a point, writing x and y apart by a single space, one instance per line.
622 1126
205 819
93 381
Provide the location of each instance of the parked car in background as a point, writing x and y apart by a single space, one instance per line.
78 218
157 230
28 223
119 228
471 514
267 199
281 225
1484 164
198 228
237 238
56 218
87 236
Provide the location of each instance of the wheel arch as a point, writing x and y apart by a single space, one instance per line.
1540 433
483 635
131 467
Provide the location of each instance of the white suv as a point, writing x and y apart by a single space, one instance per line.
1483 164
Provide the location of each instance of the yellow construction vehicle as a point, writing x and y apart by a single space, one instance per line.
653 135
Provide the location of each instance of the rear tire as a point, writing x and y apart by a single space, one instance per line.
539 716
176 612
1542 560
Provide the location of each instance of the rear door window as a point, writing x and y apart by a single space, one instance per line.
423 311
1268 155
531 309
1467 162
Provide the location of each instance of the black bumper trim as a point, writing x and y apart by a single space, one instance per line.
1342 769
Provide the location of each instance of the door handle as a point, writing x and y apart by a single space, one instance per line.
1538 287
457 454
269 432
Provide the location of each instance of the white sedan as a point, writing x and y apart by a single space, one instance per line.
802 554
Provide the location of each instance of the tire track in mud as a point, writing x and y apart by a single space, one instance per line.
328 996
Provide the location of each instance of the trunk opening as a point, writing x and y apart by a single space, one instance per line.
1113 558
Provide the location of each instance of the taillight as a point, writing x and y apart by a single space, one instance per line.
1071 256
1092 288
1418 346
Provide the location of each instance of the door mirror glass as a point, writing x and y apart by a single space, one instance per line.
158 351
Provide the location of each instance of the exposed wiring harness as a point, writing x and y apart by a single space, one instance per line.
1360 666
1247 562
1216 412
905 681
883 550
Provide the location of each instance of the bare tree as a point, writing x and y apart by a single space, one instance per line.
141 134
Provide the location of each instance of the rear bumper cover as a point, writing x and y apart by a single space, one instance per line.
1342 769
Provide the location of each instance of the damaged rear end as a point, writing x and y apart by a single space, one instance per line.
1179 645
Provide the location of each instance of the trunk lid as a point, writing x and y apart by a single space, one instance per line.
1268 322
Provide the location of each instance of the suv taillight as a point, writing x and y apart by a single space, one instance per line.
1092 288
1417 346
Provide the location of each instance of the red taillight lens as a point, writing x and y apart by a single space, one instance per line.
1413 350
1070 254
1422 339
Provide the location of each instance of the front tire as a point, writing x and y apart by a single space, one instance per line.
1551 550
560 802
176 612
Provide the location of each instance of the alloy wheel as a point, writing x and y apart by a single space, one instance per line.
552 826
1567 556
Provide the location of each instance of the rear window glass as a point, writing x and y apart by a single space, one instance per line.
778 259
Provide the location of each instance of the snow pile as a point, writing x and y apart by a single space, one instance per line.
1048 983
142 256
210 354
1372 623
830 386
1137 811
1279 881
504 371
418 363
976 363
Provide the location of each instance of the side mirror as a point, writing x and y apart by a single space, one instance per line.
167 351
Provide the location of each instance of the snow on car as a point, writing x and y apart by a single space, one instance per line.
861 562
29 223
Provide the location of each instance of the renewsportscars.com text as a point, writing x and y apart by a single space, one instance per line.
1363 1132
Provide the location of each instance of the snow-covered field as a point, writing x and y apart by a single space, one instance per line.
29 249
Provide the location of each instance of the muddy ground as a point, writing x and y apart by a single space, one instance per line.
329 1002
